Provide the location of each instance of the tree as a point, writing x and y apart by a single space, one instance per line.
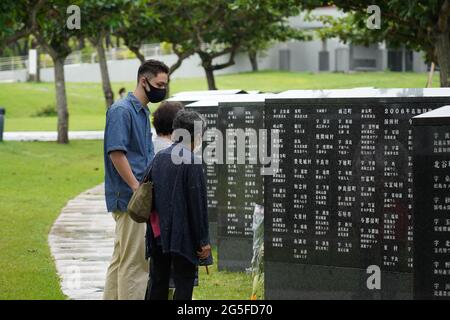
421 25
54 36
142 23
18 20
253 49
99 17
137 25
215 28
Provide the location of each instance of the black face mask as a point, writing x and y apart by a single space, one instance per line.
155 94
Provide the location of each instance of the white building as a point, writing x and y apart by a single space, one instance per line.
334 55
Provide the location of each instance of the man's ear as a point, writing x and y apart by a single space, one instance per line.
144 83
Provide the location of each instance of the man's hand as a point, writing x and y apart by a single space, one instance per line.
122 166
135 186
205 252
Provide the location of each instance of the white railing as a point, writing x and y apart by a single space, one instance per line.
13 63
151 50
77 57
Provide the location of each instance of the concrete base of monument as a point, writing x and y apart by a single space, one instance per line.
234 254
213 233
313 282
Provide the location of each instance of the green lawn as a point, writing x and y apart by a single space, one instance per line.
87 109
36 181
222 285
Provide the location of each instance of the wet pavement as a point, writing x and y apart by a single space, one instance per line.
81 242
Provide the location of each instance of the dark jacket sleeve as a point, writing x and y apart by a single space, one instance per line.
197 203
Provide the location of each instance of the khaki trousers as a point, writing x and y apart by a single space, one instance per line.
128 272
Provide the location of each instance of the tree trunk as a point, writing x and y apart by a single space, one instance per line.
176 65
61 101
209 67
443 57
180 58
210 78
253 56
108 41
138 53
106 83
81 44
448 69
209 70
22 50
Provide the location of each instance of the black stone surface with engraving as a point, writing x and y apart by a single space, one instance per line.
210 115
431 137
342 200
240 185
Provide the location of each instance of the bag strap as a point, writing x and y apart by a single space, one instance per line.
148 173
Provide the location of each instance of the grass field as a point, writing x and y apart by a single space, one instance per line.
36 181
222 285
87 109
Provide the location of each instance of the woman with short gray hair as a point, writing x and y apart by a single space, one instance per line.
179 237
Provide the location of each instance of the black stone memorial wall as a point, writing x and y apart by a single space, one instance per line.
240 185
431 161
338 214
210 115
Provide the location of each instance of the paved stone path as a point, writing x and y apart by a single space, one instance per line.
81 241
51 135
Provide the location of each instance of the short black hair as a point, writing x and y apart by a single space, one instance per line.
153 67
122 90
186 120
164 115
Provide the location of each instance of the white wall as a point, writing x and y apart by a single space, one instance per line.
304 57
305 54
419 64
125 70
13 76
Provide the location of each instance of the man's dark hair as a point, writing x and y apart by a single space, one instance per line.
121 90
152 67
185 120
164 115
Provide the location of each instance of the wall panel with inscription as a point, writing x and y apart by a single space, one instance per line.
209 112
208 107
338 214
431 167
240 184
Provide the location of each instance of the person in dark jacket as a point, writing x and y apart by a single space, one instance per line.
179 235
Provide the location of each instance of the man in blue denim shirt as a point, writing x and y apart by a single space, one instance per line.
128 150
